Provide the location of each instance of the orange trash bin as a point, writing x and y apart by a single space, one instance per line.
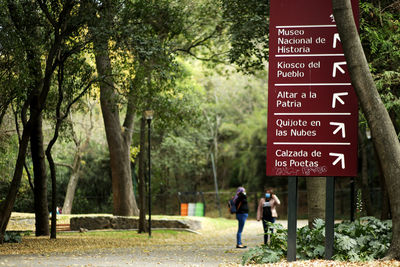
184 209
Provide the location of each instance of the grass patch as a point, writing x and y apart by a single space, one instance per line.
214 224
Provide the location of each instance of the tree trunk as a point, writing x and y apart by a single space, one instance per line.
53 232
8 204
40 179
385 210
141 180
118 138
316 195
366 194
72 184
76 165
3 112
383 132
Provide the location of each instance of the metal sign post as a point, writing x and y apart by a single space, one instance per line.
329 217
292 218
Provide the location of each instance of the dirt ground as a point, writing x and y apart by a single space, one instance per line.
209 248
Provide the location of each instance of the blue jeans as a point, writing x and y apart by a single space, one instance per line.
241 217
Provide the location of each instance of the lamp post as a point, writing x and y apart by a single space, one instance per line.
148 114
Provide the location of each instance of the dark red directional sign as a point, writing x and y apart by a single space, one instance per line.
312 107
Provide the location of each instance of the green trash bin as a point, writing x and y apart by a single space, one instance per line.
199 209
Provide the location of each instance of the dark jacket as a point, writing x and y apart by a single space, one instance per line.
241 204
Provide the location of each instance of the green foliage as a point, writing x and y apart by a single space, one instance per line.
8 145
180 156
310 242
235 112
248 30
8 155
365 239
380 37
145 39
261 255
134 152
12 237
272 252
93 194
177 102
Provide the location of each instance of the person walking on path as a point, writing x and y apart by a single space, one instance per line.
242 212
266 211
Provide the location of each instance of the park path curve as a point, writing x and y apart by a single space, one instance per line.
211 248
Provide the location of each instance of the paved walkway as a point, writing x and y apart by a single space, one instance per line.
213 250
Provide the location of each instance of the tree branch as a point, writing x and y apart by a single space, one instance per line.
200 42
395 5
46 12
3 112
77 98
64 165
19 141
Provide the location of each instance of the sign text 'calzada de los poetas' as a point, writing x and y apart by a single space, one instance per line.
312 107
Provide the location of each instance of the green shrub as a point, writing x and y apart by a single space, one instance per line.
365 239
12 237
273 252
310 243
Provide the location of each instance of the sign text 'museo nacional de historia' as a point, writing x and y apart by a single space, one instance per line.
312 107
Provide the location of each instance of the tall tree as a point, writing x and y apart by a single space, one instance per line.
40 29
81 145
68 95
25 22
383 133
153 32
10 59
119 137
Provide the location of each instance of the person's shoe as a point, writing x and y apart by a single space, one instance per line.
241 246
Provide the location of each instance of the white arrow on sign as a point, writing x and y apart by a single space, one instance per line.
340 126
336 66
340 157
336 38
336 97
